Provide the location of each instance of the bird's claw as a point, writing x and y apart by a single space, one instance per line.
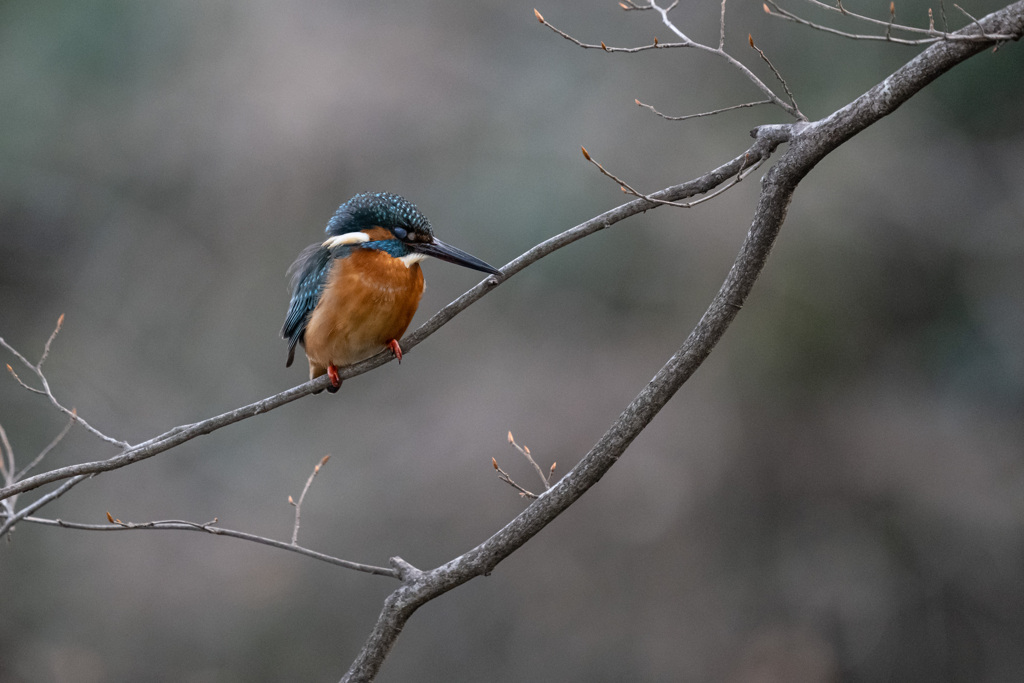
396 349
332 373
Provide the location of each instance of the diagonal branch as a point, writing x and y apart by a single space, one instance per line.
930 33
808 144
209 528
761 148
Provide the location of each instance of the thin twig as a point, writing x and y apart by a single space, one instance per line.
49 447
503 475
182 525
7 469
933 35
38 371
545 478
49 342
6 461
721 29
608 48
15 375
741 173
775 71
13 519
969 16
302 497
706 113
789 107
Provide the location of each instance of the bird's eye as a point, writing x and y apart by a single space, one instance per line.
400 233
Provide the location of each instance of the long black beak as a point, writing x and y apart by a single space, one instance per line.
447 252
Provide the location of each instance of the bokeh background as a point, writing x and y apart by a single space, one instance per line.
838 494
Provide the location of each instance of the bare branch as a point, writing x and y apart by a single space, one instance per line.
49 342
606 48
6 457
702 114
721 29
741 173
38 370
49 447
785 86
13 519
503 475
933 36
761 149
529 457
182 525
302 497
808 145
18 379
719 51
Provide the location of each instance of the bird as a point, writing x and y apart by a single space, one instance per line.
355 293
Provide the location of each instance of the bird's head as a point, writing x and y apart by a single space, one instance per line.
392 224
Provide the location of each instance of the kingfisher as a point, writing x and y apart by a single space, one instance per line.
355 293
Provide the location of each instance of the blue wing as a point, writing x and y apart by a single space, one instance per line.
309 277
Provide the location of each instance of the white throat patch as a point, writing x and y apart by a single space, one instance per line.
412 258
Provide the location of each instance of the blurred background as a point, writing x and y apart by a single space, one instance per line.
837 494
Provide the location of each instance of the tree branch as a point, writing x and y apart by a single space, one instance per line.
809 143
788 107
208 528
761 148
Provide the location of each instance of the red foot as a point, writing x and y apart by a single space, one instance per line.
393 345
332 372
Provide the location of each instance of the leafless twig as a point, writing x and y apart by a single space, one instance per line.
49 447
503 475
544 477
742 173
6 457
785 86
706 113
37 369
209 528
686 42
930 33
13 518
302 497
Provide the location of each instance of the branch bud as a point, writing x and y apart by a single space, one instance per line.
750 38
766 10
510 439
110 517
604 47
586 155
495 463
539 17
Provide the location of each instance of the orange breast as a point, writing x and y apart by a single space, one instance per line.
370 299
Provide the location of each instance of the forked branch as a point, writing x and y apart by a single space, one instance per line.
686 42
807 146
